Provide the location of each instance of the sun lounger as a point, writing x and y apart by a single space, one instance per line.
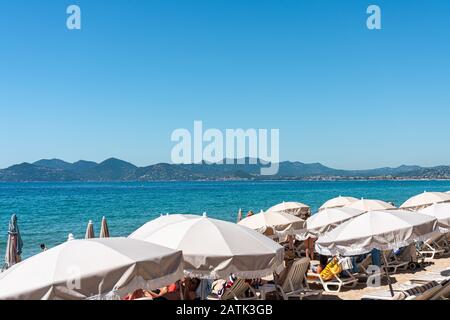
364 272
338 281
394 264
236 292
408 291
444 243
430 249
295 284
442 277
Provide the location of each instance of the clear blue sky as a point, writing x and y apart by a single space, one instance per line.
339 93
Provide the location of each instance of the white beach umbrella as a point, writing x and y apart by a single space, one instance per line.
281 223
338 202
370 205
214 248
296 208
104 231
425 199
81 269
327 219
90 231
440 211
382 230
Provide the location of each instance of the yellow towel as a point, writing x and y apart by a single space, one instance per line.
330 270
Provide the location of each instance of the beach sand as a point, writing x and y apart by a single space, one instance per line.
400 277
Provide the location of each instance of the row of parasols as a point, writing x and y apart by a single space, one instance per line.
348 226
156 255
174 246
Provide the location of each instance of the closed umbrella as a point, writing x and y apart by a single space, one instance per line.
81 269
14 243
239 218
281 223
440 211
214 248
296 208
425 199
104 231
371 205
327 219
90 231
338 202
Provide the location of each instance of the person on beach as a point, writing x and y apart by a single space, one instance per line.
43 247
250 213
309 247
323 261
170 292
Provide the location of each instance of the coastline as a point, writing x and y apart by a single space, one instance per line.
229 180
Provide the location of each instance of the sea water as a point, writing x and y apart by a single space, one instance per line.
48 212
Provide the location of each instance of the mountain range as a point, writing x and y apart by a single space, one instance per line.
55 170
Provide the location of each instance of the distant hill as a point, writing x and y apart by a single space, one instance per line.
53 164
111 170
118 170
27 172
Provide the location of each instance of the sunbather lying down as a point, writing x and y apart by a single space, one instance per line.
323 262
171 292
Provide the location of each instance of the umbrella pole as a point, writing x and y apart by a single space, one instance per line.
387 274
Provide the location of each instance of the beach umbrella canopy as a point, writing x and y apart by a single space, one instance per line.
338 202
440 211
327 219
14 243
104 231
382 230
90 231
371 205
214 248
425 199
296 208
81 269
281 223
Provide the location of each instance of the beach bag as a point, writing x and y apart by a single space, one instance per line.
346 263
330 270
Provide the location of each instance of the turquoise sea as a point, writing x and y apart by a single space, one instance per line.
48 212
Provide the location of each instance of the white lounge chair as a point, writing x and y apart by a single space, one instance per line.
364 272
407 291
430 249
295 284
236 292
442 277
393 263
444 243
338 282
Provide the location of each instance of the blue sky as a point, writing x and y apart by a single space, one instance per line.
339 93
